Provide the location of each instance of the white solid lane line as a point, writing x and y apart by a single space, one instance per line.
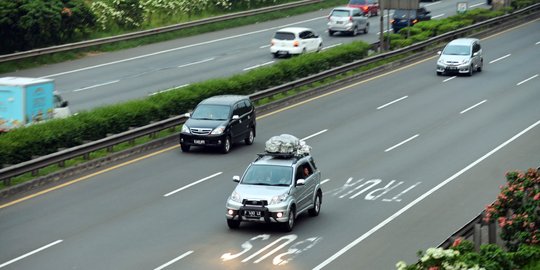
427 5
179 48
473 106
437 16
31 253
537 43
453 77
402 143
419 199
392 102
475 5
313 135
174 260
331 46
197 62
324 181
256 66
167 90
264 46
94 86
192 184
524 81
500 58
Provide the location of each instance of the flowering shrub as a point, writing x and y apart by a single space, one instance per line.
461 256
132 13
517 209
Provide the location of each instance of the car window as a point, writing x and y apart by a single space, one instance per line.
268 175
456 50
306 35
403 13
340 13
476 47
300 171
284 36
211 112
240 109
247 105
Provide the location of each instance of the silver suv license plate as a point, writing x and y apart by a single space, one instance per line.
252 213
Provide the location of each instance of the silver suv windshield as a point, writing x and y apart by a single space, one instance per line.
268 175
456 50
211 112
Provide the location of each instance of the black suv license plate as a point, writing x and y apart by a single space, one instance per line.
252 213
198 141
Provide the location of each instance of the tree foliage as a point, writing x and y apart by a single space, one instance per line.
28 24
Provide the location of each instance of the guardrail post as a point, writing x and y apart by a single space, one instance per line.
492 233
36 171
132 141
110 148
477 236
62 163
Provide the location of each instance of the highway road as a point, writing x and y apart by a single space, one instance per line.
407 158
135 73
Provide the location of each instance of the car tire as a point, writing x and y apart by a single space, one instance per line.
366 30
479 68
226 146
276 55
330 32
354 31
289 225
250 138
185 148
233 224
439 73
316 205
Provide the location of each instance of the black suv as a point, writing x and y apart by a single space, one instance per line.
218 122
414 15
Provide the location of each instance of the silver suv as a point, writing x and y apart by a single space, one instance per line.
348 20
276 188
462 56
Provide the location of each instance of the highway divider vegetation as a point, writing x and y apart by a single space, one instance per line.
25 143
41 139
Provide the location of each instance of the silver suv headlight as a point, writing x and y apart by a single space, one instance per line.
236 197
279 198
218 131
185 129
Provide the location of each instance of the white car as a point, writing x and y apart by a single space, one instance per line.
295 41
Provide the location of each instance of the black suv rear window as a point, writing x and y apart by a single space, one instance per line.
403 13
284 36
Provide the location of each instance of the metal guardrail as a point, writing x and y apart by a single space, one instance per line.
83 150
476 231
154 31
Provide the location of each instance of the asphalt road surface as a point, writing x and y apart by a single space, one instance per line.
407 158
136 73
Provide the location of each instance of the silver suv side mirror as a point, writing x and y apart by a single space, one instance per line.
234 117
236 178
300 182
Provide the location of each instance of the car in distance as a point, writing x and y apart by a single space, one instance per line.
277 187
219 121
403 17
368 7
347 20
461 56
295 41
